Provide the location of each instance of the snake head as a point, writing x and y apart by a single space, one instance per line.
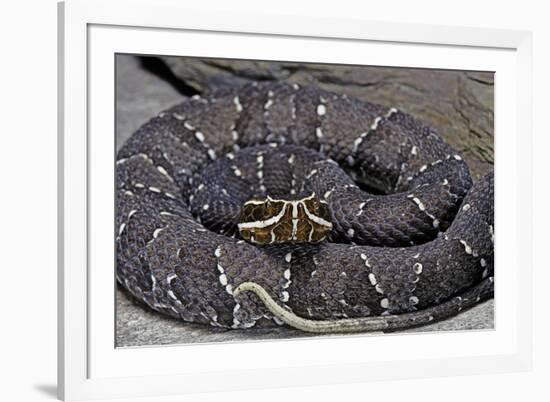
268 221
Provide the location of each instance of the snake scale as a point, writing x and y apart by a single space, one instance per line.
411 237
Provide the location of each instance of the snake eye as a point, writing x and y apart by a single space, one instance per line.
313 203
260 212
323 210
270 207
316 207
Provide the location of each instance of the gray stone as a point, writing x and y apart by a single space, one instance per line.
139 97
137 325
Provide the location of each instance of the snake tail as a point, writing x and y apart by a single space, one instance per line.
482 291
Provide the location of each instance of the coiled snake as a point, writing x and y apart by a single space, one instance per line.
409 238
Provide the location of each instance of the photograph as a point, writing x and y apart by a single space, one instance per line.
259 200
275 201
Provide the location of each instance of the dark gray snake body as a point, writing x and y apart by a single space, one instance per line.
412 240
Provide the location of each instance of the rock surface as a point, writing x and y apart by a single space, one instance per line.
458 104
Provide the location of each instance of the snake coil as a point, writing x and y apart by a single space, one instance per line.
411 239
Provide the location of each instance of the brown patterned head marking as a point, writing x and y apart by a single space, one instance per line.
270 221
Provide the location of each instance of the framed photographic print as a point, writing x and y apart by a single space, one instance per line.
237 187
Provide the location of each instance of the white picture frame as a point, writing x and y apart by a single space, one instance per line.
91 32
